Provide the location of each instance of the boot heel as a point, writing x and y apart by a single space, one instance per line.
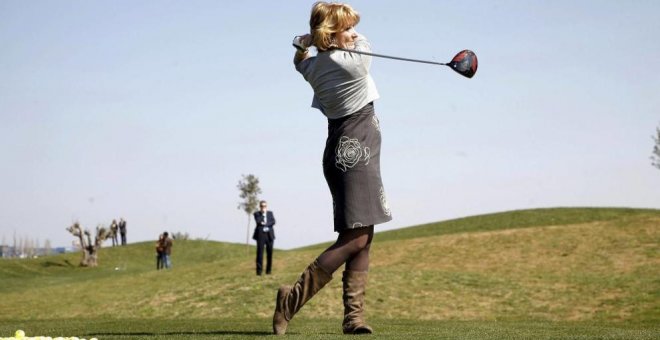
290 299
354 296
280 322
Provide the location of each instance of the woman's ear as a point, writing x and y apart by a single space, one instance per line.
333 42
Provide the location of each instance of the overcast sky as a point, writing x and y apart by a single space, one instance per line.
152 110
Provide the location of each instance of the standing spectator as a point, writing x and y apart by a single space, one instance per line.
167 250
113 232
160 250
122 231
265 236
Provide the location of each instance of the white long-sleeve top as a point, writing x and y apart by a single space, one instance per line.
341 81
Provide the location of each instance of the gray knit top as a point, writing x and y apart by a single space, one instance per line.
341 81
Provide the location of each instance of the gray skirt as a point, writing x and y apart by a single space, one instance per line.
351 165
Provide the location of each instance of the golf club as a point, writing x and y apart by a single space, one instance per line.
464 62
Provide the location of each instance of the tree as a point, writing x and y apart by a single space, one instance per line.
249 189
29 247
48 249
655 157
89 249
21 247
14 249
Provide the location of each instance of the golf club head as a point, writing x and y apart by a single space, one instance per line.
464 63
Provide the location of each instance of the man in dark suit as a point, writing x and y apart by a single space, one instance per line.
264 235
122 230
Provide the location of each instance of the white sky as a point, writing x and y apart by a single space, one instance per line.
152 110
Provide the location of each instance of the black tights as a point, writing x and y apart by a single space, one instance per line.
352 247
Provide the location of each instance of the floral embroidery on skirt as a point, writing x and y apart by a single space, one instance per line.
351 165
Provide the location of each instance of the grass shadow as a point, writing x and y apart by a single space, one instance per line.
66 263
147 334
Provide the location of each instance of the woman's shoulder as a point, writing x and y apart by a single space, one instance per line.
307 65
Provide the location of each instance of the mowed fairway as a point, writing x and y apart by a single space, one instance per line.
546 273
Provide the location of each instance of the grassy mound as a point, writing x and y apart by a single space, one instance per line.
546 265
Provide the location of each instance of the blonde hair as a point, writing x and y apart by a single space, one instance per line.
330 18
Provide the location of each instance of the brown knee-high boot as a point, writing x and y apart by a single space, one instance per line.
291 298
354 293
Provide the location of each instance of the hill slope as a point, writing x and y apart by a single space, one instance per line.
548 264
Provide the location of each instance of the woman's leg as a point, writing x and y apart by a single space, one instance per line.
360 261
352 246
354 280
291 298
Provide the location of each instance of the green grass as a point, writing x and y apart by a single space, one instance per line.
545 273
115 262
514 220
152 329
509 220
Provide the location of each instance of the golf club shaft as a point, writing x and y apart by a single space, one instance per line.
391 57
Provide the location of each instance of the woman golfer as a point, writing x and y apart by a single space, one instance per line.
344 92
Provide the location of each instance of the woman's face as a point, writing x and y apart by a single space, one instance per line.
346 38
